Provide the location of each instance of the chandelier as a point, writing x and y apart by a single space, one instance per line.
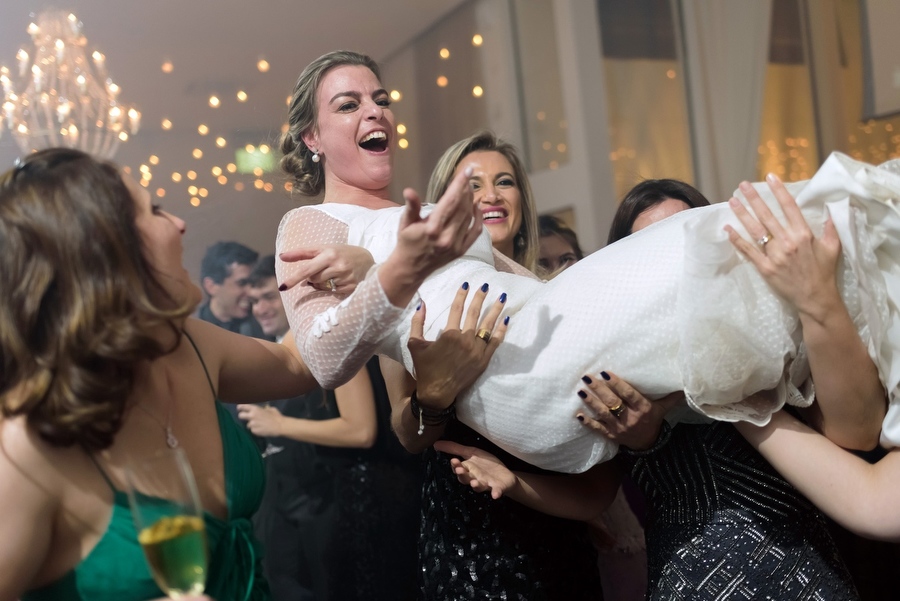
61 96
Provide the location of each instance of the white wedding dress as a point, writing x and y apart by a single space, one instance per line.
672 307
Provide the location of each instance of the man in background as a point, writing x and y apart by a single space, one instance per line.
223 277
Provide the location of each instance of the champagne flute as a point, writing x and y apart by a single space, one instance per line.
168 517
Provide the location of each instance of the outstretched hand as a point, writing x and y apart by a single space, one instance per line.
430 242
452 363
341 265
479 469
621 413
800 267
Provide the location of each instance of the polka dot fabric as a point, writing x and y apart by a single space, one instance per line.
672 307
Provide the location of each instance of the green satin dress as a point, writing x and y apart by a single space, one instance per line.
115 569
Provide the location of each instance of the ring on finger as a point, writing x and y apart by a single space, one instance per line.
484 335
331 285
765 240
618 409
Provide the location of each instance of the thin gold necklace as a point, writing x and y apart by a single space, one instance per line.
171 441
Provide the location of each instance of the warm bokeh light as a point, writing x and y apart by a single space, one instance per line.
258 171
214 101
217 170
198 154
442 81
176 177
195 201
477 40
145 182
242 96
239 186
123 135
403 143
288 186
202 129
445 53
203 192
221 142
262 65
166 124
231 167
154 160
191 175
168 67
396 95
268 187
477 91
258 184
160 192
222 180
401 129
192 190
250 148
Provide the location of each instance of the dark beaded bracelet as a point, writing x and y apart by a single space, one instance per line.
430 417
665 432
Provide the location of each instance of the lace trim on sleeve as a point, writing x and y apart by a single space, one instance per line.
335 335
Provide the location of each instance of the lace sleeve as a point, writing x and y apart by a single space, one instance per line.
335 335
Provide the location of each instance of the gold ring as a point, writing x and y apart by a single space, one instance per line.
484 335
765 240
331 285
617 410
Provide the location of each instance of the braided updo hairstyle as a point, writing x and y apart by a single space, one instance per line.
308 177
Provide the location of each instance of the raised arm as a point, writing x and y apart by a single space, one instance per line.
802 268
444 368
860 496
335 335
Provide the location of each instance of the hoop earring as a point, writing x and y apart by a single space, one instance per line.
315 157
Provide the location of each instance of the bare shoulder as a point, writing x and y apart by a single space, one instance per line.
29 466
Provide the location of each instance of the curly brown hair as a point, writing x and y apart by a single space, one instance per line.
81 304
307 176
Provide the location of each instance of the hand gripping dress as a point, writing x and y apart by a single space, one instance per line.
672 307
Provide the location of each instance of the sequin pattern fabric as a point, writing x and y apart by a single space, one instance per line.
724 525
472 547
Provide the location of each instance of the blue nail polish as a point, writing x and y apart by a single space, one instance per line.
484 287
582 394
465 286
419 306
506 320
605 375
586 379
503 298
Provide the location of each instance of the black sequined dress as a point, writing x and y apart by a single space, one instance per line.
722 524
474 547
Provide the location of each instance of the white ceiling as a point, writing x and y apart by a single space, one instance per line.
214 46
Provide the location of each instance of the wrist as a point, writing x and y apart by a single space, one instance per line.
399 280
430 417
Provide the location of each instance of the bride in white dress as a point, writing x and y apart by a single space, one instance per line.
673 307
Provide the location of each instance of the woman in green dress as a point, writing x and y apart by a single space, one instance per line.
100 362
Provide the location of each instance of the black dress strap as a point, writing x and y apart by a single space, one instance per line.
202 362
102 471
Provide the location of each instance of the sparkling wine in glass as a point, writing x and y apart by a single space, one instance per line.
168 516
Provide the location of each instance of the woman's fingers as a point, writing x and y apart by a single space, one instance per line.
788 203
475 306
454 318
453 448
765 222
412 208
417 328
